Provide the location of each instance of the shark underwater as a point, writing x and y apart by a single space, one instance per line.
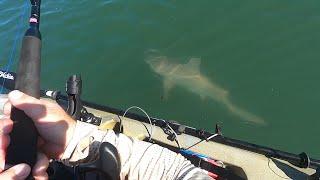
188 76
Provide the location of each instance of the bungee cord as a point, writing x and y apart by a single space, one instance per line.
152 125
168 125
175 134
269 159
19 30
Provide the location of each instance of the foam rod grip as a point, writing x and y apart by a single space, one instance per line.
23 138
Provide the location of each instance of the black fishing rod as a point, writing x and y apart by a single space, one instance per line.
23 138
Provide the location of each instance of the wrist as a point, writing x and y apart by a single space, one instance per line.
77 131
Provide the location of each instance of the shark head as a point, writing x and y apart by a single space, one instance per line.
159 63
166 66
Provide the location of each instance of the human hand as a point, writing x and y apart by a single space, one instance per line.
54 125
20 171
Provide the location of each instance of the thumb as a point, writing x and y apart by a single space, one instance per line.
30 105
17 172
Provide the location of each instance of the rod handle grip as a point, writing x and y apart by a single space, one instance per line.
23 138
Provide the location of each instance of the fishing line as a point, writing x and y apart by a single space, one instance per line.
176 135
19 28
207 139
152 125
274 171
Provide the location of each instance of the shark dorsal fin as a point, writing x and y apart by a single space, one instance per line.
194 65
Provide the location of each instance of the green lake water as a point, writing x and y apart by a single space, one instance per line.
264 54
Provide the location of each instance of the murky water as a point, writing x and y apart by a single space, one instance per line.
258 60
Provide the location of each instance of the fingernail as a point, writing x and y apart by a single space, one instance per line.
22 170
6 108
15 94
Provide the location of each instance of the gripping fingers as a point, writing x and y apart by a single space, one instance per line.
31 106
7 108
18 98
5 129
39 171
17 172
4 141
6 125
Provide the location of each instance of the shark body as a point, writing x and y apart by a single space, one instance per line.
189 77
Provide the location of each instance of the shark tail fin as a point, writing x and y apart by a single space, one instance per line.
245 115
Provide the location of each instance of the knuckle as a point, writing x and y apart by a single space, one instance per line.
7 108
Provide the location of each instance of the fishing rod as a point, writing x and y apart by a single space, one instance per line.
23 138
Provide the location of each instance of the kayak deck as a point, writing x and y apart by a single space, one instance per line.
254 165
